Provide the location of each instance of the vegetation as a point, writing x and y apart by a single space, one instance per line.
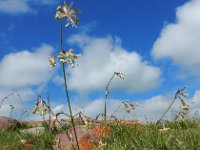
182 135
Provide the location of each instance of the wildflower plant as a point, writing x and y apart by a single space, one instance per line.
121 76
184 110
178 95
129 107
40 107
66 56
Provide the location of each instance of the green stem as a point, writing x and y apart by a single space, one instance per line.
69 105
61 44
66 90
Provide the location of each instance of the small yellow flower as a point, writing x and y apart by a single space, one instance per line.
52 61
66 11
42 110
164 129
63 60
61 55
59 14
129 107
185 107
69 57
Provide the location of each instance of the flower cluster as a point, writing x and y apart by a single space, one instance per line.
41 109
66 11
185 108
180 93
120 75
129 106
65 57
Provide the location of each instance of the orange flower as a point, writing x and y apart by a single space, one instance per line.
100 131
86 143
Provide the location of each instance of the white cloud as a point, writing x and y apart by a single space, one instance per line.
150 109
21 6
180 41
101 57
19 99
20 72
59 108
44 2
14 6
25 68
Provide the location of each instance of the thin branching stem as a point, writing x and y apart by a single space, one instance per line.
115 111
179 92
107 93
166 110
6 97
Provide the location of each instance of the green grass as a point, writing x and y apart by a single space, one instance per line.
123 137
134 137
12 140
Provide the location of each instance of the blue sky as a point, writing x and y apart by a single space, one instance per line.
155 44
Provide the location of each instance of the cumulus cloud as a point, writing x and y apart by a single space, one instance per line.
23 73
59 108
150 109
21 6
17 98
101 57
12 7
179 41
25 68
196 103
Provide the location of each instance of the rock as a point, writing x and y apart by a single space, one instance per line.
6 122
64 143
34 131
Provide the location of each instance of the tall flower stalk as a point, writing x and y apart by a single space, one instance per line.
66 88
120 75
66 56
